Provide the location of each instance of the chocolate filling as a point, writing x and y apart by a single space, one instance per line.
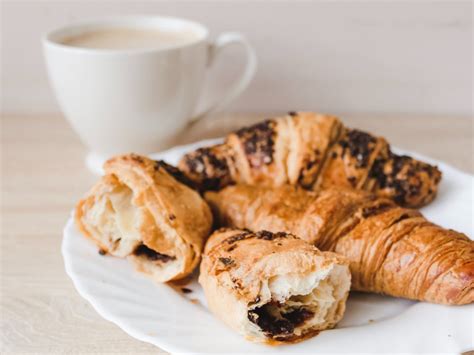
280 326
404 176
143 250
258 142
237 237
265 235
360 146
211 171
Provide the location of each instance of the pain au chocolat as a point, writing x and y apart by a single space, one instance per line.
273 287
313 151
142 210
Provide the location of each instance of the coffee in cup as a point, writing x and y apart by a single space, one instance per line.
132 84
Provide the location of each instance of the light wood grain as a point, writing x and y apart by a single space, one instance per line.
42 177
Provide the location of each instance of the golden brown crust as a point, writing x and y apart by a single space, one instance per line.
312 151
169 221
349 160
239 275
312 135
393 250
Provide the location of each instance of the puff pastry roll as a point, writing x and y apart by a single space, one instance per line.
312 151
140 210
392 250
273 287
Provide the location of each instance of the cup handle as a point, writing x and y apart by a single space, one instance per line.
222 41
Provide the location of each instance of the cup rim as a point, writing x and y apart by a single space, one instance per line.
113 21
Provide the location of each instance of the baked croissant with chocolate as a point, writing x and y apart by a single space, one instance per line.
392 250
140 210
273 287
313 151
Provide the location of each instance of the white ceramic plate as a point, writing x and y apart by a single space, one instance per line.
181 323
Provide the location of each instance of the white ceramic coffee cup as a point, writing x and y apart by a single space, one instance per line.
136 99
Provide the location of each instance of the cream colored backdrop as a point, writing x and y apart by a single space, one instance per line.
338 56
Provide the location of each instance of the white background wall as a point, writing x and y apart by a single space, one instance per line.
352 56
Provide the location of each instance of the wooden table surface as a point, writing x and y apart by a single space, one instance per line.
43 175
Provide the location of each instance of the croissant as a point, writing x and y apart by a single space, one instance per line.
392 250
313 151
273 288
140 210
